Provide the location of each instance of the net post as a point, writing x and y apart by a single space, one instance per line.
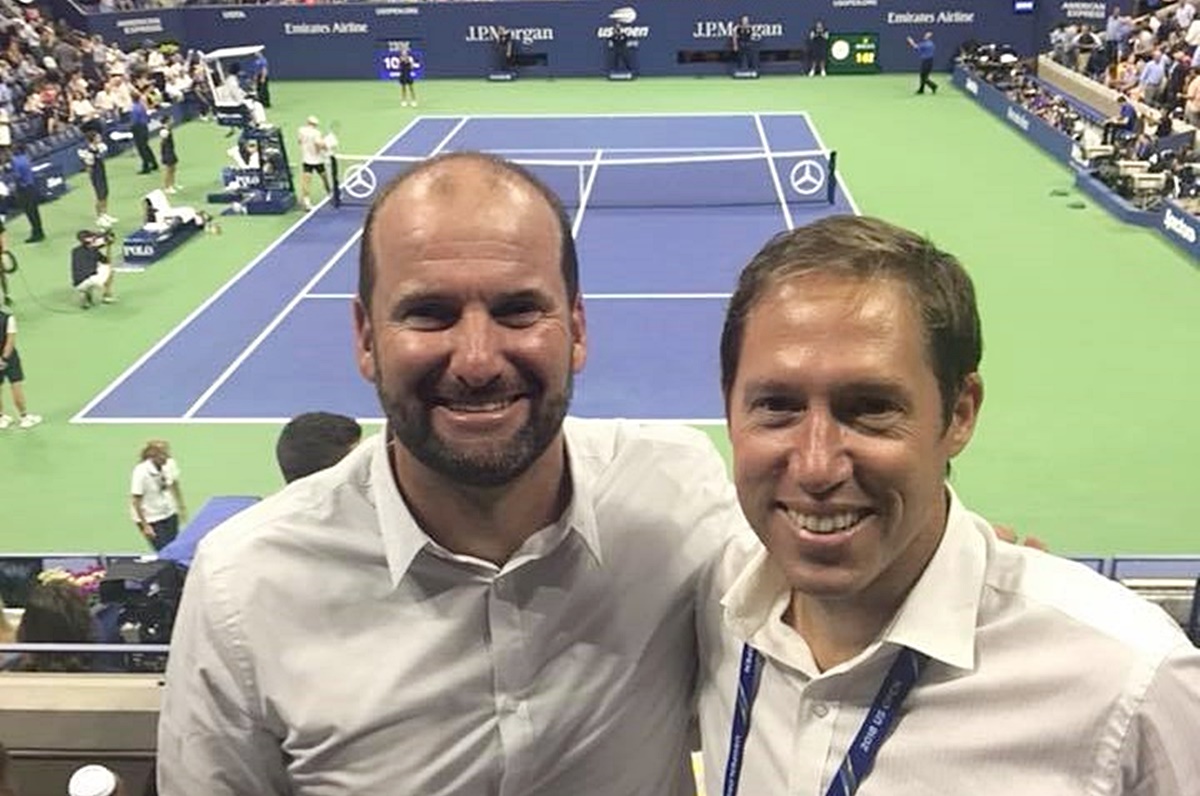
831 183
335 179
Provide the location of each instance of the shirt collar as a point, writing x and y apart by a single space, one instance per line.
404 539
940 613
937 618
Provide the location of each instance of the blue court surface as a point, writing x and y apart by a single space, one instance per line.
666 211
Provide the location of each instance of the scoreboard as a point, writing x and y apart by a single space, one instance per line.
387 57
853 53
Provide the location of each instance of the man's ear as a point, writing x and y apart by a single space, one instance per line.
964 414
364 342
578 334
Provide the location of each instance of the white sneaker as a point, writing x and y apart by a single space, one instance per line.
108 299
29 421
5 421
172 190
111 219
103 222
414 103
307 203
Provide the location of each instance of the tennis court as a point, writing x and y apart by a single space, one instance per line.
666 209
1086 438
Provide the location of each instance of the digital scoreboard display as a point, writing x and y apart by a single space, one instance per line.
387 58
853 53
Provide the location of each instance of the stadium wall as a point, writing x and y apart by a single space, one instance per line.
347 41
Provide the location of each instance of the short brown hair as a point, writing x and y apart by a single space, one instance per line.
868 248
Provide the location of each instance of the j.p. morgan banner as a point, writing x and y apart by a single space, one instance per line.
568 37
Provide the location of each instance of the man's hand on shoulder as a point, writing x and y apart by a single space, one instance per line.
1007 534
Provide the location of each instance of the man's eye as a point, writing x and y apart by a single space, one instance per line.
427 316
874 412
774 409
518 313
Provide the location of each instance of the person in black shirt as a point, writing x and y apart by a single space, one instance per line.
26 192
818 49
505 52
90 268
618 45
407 91
744 45
92 156
167 155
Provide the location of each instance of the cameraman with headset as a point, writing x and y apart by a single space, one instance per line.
91 268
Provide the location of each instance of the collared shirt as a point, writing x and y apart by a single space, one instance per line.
1044 679
926 49
138 113
326 645
1152 74
22 170
153 485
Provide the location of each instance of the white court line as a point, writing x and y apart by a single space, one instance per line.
841 183
631 115
586 193
783 205
129 371
270 327
610 150
587 296
294 301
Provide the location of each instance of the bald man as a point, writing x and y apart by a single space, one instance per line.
487 597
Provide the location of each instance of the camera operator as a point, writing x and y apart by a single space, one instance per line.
91 268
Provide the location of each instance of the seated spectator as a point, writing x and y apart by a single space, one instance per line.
1124 124
1125 75
83 114
55 613
1191 97
313 441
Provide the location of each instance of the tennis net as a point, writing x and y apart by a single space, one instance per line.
727 179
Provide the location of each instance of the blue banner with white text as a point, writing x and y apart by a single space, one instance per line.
569 37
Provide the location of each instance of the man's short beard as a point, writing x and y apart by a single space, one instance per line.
502 464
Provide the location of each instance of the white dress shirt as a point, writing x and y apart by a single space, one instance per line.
1044 679
153 485
325 645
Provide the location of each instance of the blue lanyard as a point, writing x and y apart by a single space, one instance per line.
861 755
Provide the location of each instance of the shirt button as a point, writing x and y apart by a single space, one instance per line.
820 710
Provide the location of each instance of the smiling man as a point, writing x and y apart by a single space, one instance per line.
484 599
876 632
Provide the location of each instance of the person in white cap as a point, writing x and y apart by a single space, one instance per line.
94 780
313 153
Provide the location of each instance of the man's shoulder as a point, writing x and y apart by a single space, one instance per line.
318 517
610 440
1078 596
